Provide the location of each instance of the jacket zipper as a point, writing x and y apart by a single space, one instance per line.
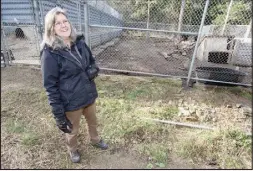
75 57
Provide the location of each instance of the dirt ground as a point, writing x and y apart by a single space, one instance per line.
24 79
157 56
139 54
22 99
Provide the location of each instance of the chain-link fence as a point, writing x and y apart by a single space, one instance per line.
22 42
204 40
149 42
224 51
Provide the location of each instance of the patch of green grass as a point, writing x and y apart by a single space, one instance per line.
138 92
120 121
30 139
137 88
240 92
167 82
158 152
15 126
241 139
161 112
247 95
149 166
43 96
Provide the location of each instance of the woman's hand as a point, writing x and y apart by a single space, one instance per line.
64 124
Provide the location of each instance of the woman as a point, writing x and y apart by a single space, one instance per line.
68 70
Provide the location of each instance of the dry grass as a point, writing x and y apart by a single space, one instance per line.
30 139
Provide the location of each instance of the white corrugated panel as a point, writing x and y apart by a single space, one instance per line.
17 11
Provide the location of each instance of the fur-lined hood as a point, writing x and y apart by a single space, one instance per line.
59 43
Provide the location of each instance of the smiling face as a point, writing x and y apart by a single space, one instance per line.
62 26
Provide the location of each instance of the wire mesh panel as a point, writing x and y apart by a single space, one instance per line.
146 36
45 6
73 11
17 12
224 52
101 14
21 42
72 7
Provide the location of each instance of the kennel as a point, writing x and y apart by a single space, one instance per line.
215 49
220 74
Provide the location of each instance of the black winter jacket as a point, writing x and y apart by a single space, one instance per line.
64 78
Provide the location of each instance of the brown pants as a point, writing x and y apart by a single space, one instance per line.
74 117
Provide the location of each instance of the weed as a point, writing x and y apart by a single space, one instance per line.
29 139
242 140
164 112
157 151
240 92
15 126
150 166
161 165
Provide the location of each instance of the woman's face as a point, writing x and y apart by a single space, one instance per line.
62 27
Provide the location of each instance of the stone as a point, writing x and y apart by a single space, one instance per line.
184 53
199 113
191 118
192 110
203 105
217 109
180 101
213 111
214 119
150 158
247 111
207 117
239 105
208 110
229 106
185 104
183 111
193 102
164 54
170 102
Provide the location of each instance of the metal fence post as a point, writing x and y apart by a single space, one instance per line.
86 23
6 55
79 16
226 19
246 35
37 18
181 15
197 42
147 33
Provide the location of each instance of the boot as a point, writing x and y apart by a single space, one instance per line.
75 156
100 145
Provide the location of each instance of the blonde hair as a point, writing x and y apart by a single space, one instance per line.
50 38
